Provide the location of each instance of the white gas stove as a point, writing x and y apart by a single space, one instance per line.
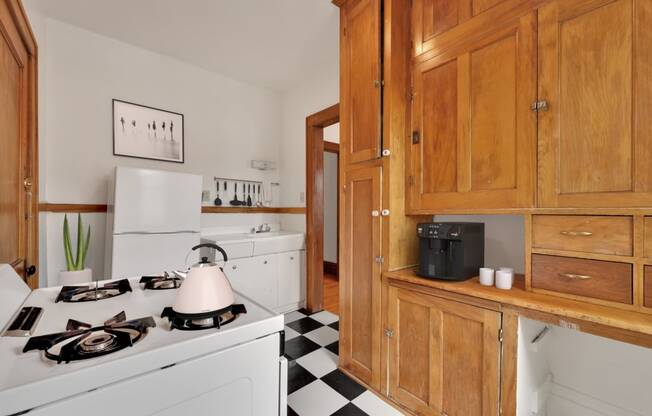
235 369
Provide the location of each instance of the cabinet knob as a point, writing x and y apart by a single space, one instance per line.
292 258
265 262
375 213
234 267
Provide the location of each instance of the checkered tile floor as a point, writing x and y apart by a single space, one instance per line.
315 386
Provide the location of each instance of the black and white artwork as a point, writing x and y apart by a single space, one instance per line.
147 132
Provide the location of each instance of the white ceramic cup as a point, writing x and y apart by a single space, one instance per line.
486 276
506 269
504 279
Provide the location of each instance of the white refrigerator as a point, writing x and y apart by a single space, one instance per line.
153 221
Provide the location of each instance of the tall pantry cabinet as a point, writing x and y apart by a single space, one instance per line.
376 234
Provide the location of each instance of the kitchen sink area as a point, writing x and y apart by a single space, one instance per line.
267 266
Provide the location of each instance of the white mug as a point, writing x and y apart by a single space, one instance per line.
504 279
486 276
507 269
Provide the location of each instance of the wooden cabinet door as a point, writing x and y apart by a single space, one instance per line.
444 356
434 17
18 203
360 275
595 74
474 135
361 80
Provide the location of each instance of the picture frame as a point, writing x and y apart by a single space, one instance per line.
146 132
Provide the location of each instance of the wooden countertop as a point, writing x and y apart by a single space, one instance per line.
520 298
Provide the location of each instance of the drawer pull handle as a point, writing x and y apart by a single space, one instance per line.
575 276
577 233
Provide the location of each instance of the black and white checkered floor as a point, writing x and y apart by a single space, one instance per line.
315 386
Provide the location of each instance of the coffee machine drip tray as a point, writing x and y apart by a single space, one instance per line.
450 250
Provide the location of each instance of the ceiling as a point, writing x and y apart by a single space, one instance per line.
270 43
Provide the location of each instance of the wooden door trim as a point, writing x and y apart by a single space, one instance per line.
315 124
16 30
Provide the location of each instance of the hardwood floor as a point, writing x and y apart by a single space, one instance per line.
331 294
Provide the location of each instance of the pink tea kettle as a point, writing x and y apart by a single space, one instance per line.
205 288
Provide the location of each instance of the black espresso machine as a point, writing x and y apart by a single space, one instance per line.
450 250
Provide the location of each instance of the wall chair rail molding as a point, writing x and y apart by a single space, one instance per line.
86 208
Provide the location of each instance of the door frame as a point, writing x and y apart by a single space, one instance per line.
315 124
15 28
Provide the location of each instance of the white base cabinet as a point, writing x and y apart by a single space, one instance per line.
275 281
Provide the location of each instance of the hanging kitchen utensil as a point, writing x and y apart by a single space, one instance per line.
235 201
244 200
218 201
259 202
249 195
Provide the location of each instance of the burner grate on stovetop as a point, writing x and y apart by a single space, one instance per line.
93 292
82 341
205 320
162 282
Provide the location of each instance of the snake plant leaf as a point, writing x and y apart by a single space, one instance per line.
66 244
80 235
85 249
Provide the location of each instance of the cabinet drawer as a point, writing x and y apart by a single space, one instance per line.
604 280
647 287
588 234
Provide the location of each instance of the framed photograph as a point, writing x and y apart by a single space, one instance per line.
147 132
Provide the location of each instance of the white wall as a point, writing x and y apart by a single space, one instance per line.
311 95
227 123
503 235
330 207
578 374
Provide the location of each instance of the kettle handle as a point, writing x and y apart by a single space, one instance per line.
215 246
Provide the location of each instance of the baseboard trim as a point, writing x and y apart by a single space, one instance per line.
331 268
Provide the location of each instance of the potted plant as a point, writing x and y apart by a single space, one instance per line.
76 271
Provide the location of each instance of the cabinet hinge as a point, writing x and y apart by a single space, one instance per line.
539 105
380 259
500 335
410 95
411 180
389 333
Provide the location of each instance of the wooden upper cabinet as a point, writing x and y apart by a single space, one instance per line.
361 80
473 133
444 355
360 275
434 17
595 75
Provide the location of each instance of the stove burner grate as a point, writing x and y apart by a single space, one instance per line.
82 341
205 320
163 282
93 292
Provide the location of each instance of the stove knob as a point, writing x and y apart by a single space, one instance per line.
234 267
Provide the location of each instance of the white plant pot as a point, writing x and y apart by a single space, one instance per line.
75 277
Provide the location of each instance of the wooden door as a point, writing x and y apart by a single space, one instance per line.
361 80
434 17
474 135
444 356
360 275
18 219
595 74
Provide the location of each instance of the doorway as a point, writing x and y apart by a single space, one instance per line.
320 289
